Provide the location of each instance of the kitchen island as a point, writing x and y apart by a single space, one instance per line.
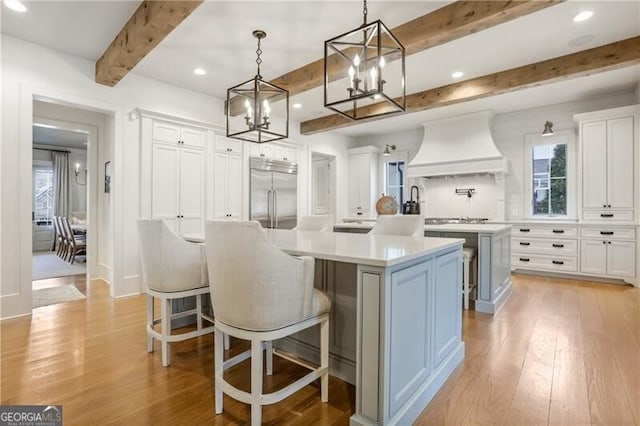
493 242
396 317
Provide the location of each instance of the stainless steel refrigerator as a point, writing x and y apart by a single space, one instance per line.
273 186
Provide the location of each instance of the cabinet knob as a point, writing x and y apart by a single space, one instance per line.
262 155
285 158
604 205
609 205
608 242
604 242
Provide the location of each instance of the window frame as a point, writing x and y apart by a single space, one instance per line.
39 165
396 156
559 137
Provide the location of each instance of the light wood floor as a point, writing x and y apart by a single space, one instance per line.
559 352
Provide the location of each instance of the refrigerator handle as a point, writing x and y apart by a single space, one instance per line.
269 217
275 206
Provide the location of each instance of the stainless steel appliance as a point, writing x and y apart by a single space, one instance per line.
273 186
442 220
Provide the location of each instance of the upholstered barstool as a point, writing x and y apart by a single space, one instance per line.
172 268
402 225
319 222
260 294
468 263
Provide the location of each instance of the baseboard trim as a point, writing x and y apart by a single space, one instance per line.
616 281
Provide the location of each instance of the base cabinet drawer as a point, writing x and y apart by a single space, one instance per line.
547 263
609 233
532 231
608 215
551 247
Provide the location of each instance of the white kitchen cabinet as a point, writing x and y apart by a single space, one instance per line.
170 133
173 171
259 149
178 178
284 153
621 258
227 180
362 180
608 143
609 251
593 257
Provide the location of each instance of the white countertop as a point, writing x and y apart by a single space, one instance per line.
475 228
375 250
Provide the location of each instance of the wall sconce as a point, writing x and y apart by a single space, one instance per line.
387 152
82 173
548 129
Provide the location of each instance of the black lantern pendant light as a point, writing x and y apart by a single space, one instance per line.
257 111
548 129
364 72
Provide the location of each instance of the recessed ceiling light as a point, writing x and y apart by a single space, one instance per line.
583 16
199 71
297 106
15 5
457 74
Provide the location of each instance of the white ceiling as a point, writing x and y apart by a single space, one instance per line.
59 137
217 37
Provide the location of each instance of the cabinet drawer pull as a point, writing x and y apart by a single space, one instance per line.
524 259
606 232
525 230
525 244
558 262
558 231
558 245
606 215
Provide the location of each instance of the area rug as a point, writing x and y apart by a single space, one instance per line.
48 265
52 295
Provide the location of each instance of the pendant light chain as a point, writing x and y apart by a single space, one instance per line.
364 13
258 59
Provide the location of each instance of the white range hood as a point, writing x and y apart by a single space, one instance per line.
458 146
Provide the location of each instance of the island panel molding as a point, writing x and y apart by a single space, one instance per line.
608 57
443 25
147 27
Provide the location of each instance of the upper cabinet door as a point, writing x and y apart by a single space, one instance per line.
234 186
165 132
594 164
284 153
221 174
620 162
194 138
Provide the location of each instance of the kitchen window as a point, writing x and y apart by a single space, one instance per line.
43 192
394 176
549 162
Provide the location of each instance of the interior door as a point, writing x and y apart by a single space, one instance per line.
321 187
285 186
260 192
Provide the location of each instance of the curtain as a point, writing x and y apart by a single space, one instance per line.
61 184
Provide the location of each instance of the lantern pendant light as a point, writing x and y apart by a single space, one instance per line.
364 72
257 111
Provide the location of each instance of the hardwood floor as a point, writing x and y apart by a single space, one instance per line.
559 352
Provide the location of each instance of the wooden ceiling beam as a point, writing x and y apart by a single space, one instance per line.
147 27
620 54
443 25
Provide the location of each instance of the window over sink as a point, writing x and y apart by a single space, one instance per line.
549 161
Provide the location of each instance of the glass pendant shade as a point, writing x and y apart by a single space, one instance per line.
364 72
257 111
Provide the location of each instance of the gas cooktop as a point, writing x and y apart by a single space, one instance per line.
443 220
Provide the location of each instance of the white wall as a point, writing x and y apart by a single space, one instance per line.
508 132
510 129
30 70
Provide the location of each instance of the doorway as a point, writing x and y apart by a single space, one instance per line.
64 153
323 181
